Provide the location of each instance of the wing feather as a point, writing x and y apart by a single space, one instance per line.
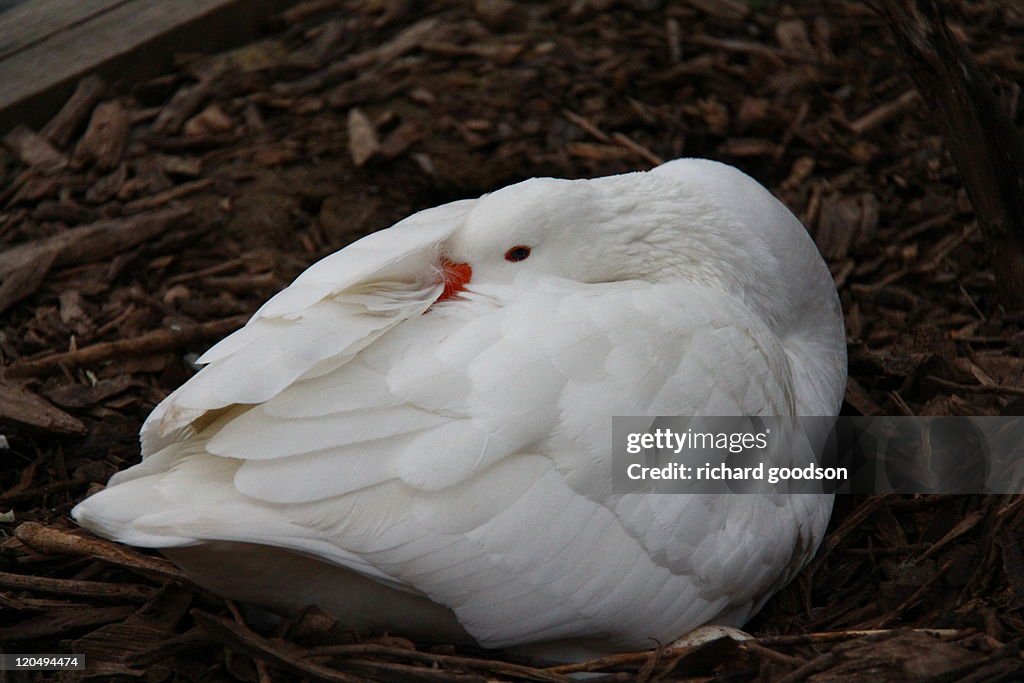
332 311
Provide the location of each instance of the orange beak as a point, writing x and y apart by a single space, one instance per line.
456 277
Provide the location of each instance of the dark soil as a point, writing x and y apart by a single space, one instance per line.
148 221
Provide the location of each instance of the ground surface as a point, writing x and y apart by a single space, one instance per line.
210 188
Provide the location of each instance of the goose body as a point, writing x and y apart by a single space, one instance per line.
416 434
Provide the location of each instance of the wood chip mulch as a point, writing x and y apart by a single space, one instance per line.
145 222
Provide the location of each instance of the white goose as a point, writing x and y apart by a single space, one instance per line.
416 433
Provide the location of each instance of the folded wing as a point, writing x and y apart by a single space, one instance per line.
333 310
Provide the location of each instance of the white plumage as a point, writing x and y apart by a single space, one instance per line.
441 468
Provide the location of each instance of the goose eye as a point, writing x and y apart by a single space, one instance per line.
519 253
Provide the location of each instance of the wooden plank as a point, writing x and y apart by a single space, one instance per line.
30 22
50 44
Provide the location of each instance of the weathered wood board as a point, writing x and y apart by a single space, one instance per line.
47 45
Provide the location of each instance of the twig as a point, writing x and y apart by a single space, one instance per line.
612 660
840 636
23 267
914 597
766 653
388 671
152 342
962 527
741 47
50 541
55 623
216 269
673 32
812 667
262 674
75 111
586 126
943 248
637 148
620 139
45 490
168 195
851 522
884 552
185 102
82 589
883 113
492 666
279 652
406 40
977 388
18 404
